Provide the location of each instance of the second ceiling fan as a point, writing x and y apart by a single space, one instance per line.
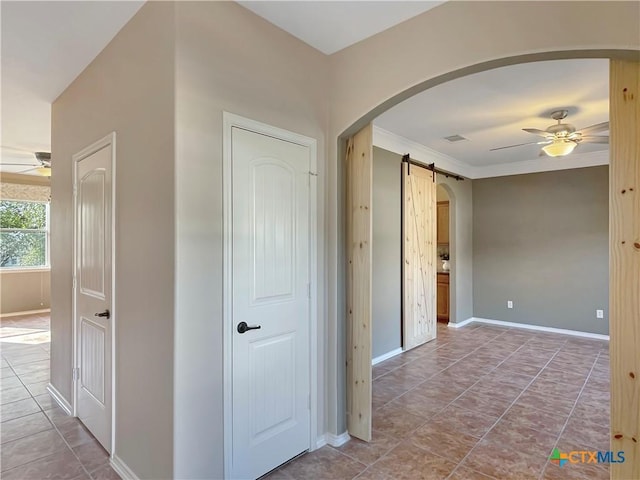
560 139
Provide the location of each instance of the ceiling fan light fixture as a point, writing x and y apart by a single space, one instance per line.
44 171
559 148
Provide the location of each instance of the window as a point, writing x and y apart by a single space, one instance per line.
24 234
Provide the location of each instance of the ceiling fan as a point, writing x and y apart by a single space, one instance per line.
562 138
42 165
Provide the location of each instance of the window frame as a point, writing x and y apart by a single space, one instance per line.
47 231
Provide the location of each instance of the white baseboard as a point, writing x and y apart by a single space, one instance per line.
386 356
337 440
122 468
321 441
526 326
26 312
60 400
460 324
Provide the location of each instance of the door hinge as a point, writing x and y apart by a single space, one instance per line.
74 282
308 290
76 374
308 402
311 174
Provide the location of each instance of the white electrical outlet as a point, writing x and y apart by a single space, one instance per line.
599 313
509 304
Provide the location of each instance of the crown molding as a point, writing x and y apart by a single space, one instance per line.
397 144
544 164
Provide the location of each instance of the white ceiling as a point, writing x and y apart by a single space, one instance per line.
491 108
331 26
45 46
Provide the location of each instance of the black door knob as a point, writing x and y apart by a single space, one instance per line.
243 327
105 314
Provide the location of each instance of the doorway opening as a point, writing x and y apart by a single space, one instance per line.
444 260
571 345
270 296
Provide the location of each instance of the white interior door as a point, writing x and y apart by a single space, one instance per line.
93 292
270 284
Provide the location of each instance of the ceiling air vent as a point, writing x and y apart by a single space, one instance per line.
455 138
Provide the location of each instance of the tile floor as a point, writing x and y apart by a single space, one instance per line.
39 440
480 402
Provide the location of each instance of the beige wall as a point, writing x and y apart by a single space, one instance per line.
228 59
129 89
24 291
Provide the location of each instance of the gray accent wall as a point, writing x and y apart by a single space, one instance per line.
387 225
541 241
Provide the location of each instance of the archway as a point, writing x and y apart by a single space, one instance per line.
623 72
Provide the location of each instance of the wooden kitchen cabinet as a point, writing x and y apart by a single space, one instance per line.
442 301
443 223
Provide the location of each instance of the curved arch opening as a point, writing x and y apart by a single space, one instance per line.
482 67
455 199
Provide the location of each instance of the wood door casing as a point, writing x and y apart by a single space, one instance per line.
419 255
359 163
443 297
443 223
624 265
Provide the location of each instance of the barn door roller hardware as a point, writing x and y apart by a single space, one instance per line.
432 166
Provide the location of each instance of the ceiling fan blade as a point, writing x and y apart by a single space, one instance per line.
595 139
520 145
598 127
537 131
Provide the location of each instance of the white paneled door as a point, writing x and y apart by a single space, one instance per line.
93 291
270 304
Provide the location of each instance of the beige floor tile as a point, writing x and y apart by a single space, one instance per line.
34 447
324 464
10 395
463 421
369 452
449 444
17 409
92 455
24 426
396 422
60 465
410 462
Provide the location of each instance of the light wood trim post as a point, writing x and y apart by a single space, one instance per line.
624 266
359 162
